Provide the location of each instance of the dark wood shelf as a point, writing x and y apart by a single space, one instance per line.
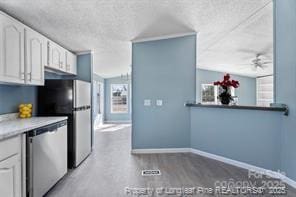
280 107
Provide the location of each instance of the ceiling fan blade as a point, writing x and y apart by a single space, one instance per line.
268 62
262 66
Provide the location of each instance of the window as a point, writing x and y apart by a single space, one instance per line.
119 98
264 91
209 93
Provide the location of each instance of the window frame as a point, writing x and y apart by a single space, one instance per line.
111 99
215 93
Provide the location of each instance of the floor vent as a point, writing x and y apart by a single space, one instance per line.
151 172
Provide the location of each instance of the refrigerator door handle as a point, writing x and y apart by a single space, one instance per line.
75 94
83 108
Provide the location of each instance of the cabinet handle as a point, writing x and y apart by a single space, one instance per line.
30 76
22 76
68 67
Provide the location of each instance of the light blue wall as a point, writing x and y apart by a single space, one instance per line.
116 117
242 135
12 96
246 92
163 69
84 67
285 22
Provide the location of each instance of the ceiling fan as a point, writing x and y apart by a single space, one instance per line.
261 58
259 63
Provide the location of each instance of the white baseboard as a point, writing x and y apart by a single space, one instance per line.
287 180
160 150
118 122
239 164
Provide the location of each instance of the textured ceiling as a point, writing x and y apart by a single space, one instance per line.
107 26
235 51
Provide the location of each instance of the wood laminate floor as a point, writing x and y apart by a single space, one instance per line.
111 171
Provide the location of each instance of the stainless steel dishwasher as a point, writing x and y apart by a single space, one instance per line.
46 158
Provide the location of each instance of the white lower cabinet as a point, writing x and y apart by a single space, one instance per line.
11 167
11 177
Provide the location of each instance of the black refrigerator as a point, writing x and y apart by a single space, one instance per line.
71 98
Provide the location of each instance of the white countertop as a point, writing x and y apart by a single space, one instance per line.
12 127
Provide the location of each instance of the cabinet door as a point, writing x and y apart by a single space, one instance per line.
36 57
71 63
10 177
55 56
12 50
63 59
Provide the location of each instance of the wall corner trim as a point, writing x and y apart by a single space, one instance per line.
239 164
163 37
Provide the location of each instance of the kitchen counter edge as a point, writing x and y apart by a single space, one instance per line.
11 128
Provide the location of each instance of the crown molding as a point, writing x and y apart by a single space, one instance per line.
84 52
163 37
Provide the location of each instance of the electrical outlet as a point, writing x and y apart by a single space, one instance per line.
159 102
147 102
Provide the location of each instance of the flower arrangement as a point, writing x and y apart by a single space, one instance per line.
225 97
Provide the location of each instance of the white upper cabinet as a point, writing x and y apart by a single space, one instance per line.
56 56
24 53
12 68
36 57
61 60
71 63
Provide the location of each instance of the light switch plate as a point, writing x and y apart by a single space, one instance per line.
159 102
147 102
